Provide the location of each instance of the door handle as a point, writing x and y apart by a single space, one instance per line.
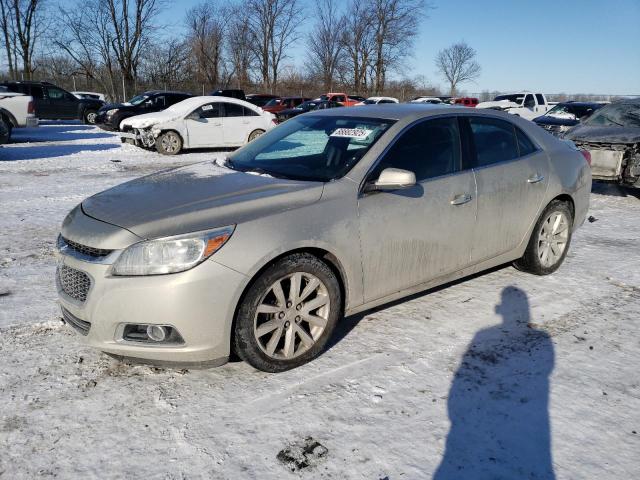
461 199
535 179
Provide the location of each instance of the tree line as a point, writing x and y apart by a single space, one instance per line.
120 46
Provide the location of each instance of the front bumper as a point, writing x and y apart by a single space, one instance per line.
199 303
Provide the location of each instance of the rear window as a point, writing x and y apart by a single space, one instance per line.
540 99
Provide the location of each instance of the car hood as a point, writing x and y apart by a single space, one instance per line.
551 120
148 119
603 134
500 104
196 197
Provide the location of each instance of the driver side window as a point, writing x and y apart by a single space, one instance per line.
429 149
55 93
210 110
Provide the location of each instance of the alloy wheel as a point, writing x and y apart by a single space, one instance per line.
553 237
288 324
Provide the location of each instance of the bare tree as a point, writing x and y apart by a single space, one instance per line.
273 25
458 65
359 44
396 27
239 44
22 25
206 26
325 42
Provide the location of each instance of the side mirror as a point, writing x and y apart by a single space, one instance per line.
392 179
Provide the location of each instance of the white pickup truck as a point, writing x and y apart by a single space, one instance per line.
524 104
16 110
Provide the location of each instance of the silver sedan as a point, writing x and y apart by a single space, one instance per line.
329 214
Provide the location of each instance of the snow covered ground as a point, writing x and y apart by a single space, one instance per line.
501 376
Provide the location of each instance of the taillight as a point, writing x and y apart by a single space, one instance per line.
587 156
31 107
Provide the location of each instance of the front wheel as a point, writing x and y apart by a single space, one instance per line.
549 242
90 117
169 143
288 315
255 134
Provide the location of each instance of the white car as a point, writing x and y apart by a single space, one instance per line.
377 100
523 104
94 95
433 100
198 122
16 111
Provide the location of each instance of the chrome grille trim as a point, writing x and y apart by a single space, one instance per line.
78 325
74 283
86 250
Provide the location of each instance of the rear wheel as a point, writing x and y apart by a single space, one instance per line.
550 240
169 143
255 134
288 315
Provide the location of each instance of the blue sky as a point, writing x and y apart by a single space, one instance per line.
572 46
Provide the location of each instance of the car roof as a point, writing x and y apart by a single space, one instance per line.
582 104
173 92
391 111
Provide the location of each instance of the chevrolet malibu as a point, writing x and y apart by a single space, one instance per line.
329 214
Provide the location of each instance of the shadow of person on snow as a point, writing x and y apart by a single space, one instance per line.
498 402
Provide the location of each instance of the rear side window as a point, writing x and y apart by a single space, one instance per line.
171 99
494 141
36 91
529 102
233 110
525 146
160 101
429 149
249 113
55 93
540 99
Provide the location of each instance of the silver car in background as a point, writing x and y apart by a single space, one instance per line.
327 215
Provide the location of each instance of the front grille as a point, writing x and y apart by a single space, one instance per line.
78 325
74 283
86 250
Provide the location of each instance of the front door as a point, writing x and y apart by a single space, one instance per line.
61 104
512 175
417 234
204 126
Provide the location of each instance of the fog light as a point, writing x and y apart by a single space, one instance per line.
157 333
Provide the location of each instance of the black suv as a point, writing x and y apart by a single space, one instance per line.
55 103
110 116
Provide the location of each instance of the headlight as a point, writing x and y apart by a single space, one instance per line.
111 112
171 254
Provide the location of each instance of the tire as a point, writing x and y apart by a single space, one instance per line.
5 130
169 143
540 258
255 134
289 331
89 117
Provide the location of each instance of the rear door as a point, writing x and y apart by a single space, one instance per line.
414 235
235 124
512 175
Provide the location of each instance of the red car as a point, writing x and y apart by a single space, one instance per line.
278 104
342 98
466 101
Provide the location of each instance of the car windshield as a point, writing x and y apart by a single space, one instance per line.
306 106
138 99
623 114
313 148
517 98
370 101
561 110
273 102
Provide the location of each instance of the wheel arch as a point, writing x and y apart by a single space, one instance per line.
322 254
565 197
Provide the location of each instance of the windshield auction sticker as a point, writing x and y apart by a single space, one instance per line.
359 133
